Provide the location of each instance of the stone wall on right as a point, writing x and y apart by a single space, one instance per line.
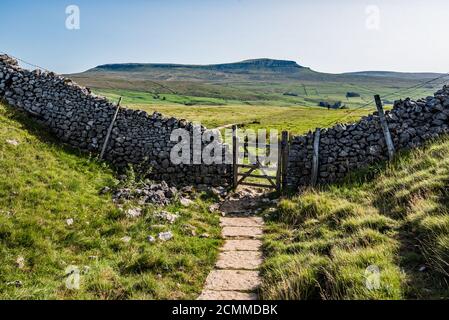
344 148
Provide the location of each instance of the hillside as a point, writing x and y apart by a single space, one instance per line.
52 217
254 70
256 81
395 218
247 70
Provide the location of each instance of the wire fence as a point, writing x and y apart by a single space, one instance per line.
26 62
402 91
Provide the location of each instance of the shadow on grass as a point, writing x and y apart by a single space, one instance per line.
44 134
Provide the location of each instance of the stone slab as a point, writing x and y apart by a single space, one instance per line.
241 222
242 232
242 245
239 260
233 280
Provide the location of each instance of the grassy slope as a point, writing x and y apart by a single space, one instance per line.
42 184
320 243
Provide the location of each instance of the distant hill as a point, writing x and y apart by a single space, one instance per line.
257 64
261 80
248 70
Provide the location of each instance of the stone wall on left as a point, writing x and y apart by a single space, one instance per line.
82 119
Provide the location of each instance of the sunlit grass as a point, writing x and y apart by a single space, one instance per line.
320 243
295 119
42 184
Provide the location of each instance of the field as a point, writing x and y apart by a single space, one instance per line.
43 184
295 114
253 82
321 243
295 119
261 93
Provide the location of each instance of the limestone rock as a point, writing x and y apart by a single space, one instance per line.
167 216
165 236
134 212
185 202
12 142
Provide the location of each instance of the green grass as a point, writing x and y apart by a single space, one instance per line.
296 119
42 184
320 243
255 104
270 103
132 97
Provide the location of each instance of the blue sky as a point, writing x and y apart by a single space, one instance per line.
326 35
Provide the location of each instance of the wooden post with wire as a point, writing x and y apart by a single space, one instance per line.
284 159
385 129
316 158
111 126
279 165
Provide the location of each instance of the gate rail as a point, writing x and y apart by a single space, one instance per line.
276 182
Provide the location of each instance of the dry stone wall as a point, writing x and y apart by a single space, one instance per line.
81 120
344 148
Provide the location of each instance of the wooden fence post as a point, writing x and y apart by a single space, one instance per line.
111 126
384 124
235 168
279 166
284 158
315 160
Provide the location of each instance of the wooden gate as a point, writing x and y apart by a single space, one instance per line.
257 173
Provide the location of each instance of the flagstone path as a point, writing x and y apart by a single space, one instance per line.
236 273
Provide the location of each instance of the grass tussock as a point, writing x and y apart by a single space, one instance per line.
323 243
43 184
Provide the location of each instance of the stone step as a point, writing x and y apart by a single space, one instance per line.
226 295
242 245
233 280
241 222
239 260
235 276
242 232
